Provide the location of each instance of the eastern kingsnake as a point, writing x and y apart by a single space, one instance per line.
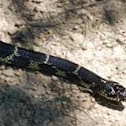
51 65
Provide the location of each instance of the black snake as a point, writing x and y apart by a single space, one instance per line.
48 64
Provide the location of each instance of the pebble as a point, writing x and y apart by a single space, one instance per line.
124 71
77 37
7 79
119 52
2 67
2 76
36 48
108 44
34 88
9 72
54 78
90 45
18 72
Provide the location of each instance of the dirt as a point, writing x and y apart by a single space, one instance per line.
91 33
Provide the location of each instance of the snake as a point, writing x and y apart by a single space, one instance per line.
52 65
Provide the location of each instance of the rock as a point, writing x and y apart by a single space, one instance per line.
8 72
119 52
90 45
54 78
77 37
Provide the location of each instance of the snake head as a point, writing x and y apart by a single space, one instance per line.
113 91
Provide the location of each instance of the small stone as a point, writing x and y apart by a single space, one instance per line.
90 45
2 76
18 24
79 38
34 88
109 45
36 48
54 78
35 96
14 81
7 79
119 52
18 73
2 67
124 71
76 27
9 72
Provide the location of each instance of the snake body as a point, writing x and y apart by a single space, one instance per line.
52 65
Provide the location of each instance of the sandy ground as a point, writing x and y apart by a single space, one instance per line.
91 33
